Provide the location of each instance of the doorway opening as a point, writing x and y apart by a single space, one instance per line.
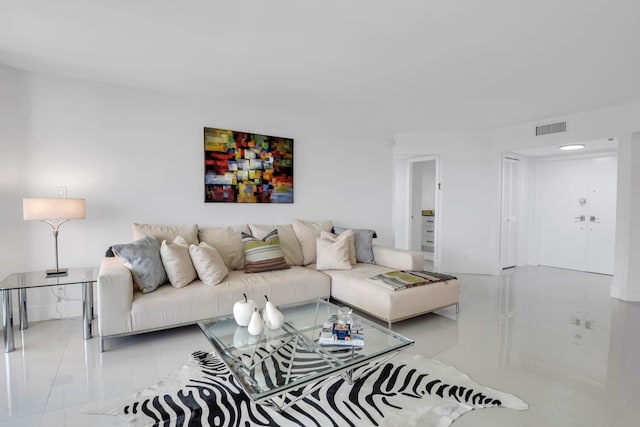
424 209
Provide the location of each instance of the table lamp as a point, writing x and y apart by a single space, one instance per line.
47 210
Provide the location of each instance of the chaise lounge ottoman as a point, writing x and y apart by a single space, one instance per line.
353 288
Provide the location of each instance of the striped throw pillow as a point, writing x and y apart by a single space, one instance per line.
263 254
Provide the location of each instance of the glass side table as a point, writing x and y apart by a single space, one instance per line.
38 279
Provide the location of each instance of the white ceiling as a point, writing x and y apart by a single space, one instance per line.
388 65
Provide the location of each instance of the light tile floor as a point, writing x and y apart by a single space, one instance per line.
553 337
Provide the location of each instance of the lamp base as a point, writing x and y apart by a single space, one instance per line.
58 272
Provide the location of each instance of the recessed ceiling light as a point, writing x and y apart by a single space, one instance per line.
572 147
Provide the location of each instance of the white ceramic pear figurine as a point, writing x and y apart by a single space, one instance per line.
273 318
265 313
242 311
256 325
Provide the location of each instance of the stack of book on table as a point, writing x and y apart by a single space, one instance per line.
334 333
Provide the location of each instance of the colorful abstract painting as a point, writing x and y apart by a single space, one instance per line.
241 167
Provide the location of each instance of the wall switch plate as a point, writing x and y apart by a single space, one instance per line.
61 192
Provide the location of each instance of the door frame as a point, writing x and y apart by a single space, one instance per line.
409 229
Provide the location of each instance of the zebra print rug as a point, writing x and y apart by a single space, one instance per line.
405 391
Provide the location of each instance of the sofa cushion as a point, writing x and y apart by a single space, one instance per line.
170 306
288 240
228 242
363 243
347 235
166 232
208 263
333 253
263 254
177 262
142 257
307 232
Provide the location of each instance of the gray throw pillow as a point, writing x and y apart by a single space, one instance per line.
142 257
363 242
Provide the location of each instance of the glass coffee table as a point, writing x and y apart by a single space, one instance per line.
278 367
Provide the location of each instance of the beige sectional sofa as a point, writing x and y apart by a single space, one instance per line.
122 309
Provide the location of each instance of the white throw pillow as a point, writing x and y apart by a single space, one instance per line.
363 243
228 242
288 240
307 232
208 263
325 235
333 254
177 262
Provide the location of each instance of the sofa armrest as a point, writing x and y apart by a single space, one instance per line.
115 295
400 259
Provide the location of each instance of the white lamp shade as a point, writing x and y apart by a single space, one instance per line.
38 209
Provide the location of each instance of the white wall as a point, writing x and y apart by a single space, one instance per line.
621 122
626 283
137 156
469 212
13 134
581 127
471 188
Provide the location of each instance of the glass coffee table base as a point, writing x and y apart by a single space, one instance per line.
282 402
7 321
286 364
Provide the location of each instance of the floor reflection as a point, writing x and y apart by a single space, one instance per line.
553 337
562 322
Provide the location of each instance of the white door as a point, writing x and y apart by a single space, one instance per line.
571 193
510 202
563 187
602 214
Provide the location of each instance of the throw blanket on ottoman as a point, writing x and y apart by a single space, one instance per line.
403 279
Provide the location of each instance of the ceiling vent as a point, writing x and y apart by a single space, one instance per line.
552 128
